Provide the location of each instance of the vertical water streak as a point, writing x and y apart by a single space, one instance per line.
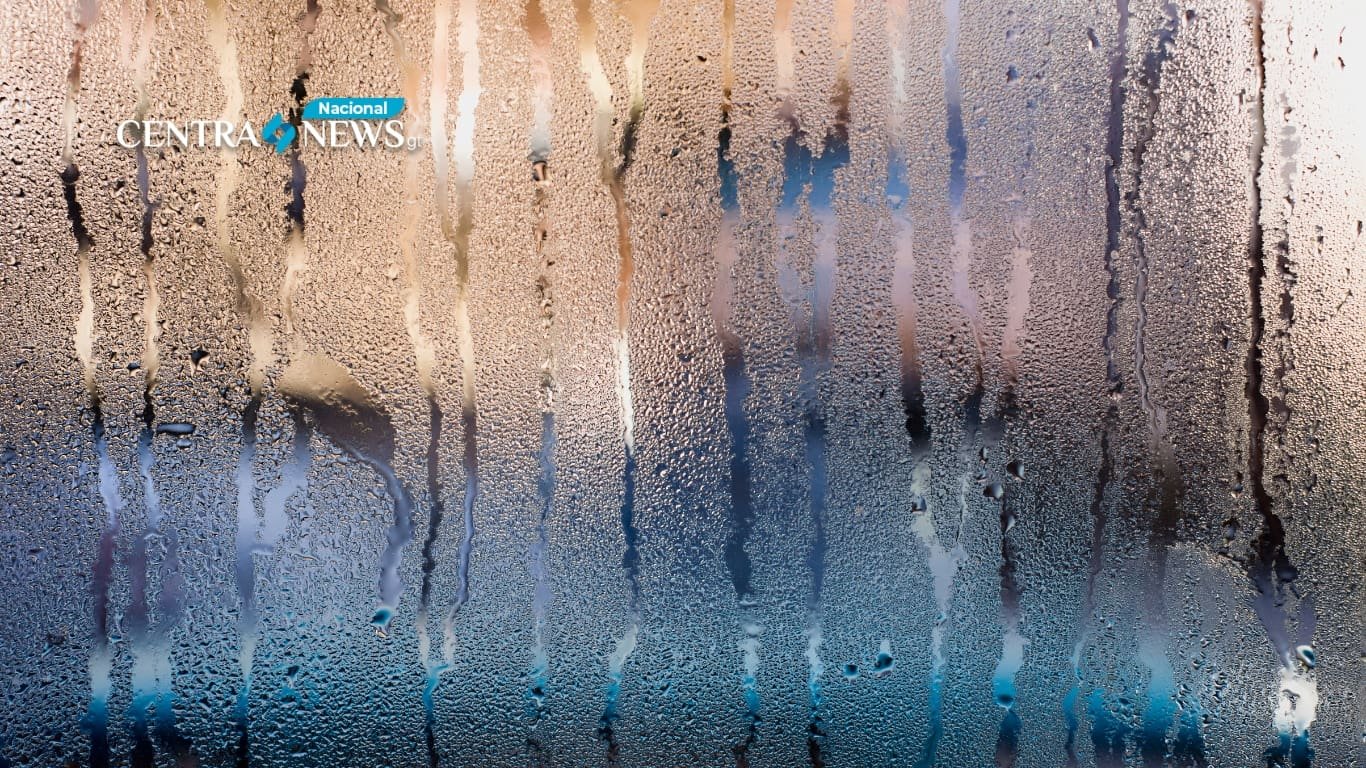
1268 566
436 115
410 81
260 344
736 381
1017 307
943 562
1109 730
353 418
1157 717
961 251
456 233
424 352
613 169
803 169
96 722
459 238
957 141
294 474
1118 71
1149 79
538 32
639 12
1019 282
151 674
296 261
898 193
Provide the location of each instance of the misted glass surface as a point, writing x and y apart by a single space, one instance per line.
658 383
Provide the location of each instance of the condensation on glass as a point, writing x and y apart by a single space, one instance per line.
846 383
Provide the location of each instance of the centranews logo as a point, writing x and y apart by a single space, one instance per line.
362 123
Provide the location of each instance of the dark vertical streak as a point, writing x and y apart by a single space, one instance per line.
545 488
1268 566
96 720
538 33
834 156
953 129
640 13
246 575
146 640
1114 149
1157 718
801 169
70 176
735 377
630 559
1095 563
136 623
912 389
437 508
741 517
1188 747
1008 733
425 358
469 461
298 179
1109 731
469 410
737 386
1008 739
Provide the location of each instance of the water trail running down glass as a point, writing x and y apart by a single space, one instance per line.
459 238
1268 566
1013 641
1019 282
741 514
898 195
456 233
424 352
543 97
1161 690
800 169
149 643
613 169
260 344
943 562
352 417
96 722
296 261
137 616
439 69
958 184
1114 148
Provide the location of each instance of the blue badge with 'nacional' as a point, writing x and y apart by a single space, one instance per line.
353 108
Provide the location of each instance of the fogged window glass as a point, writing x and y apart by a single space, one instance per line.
643 383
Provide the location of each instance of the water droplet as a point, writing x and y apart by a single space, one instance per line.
1306 654
380 621
175 428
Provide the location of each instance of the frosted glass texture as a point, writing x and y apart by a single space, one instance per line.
819 383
